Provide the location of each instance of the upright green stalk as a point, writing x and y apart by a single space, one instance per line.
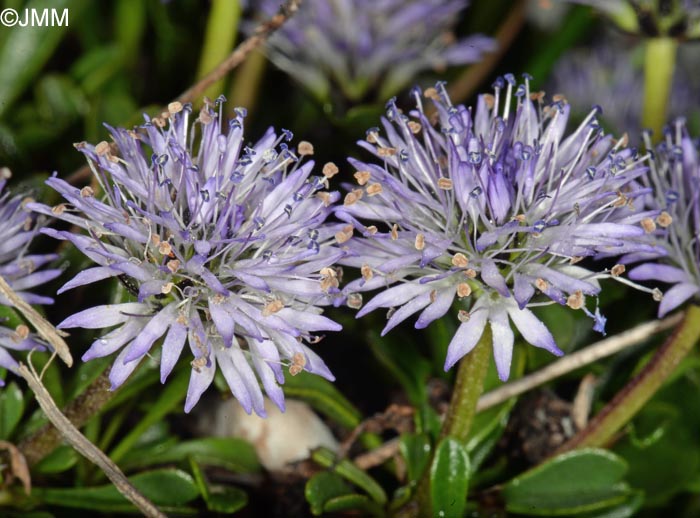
469 385
222 28
659 63
625 405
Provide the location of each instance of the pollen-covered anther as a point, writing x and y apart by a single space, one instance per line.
371 230
175 107
204 116
489 100
173 265
167 288
87 192
445 184
414 126
431 93
520 218
298 363
330 170
305 148
5 173
366 271
329 278
374 189
463 315
58 209
537 96
463 290
557 98
460 260
102 148
648 225
664 219
198 364
394 232
20 334
470 273
617 270
324 197
657 294
541 284
362 177
576 300
372 137
575 259
272 307
386 151
621 200
354 300
344 235
352 197
419 242
433 295
164 248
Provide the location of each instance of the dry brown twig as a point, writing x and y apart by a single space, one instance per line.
569 363
91 452
261 33
43 327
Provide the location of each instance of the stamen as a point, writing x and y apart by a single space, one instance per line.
362 177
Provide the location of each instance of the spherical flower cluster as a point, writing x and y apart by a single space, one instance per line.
21 270
585 73
490 207
363 45
675 179
224 246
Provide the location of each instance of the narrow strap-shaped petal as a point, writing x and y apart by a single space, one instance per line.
467 335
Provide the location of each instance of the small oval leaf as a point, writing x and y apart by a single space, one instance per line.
449 478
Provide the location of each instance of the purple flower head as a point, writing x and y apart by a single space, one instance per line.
675 178
21 270
609 73
489 207
222 243
356 46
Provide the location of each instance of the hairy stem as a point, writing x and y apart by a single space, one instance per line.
659 63
469 385
625 405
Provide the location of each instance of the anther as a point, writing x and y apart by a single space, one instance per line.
362 177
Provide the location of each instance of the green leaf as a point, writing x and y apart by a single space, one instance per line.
486 430
220 499
353 502
575 482
626 509
25 50
449 478
404 362
663 464
322 487
229 452
165 487
61 459
170 397
324 397
415 449
11 409
351 472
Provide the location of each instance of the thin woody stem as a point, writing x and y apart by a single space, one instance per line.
624 406
78 412
262 32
